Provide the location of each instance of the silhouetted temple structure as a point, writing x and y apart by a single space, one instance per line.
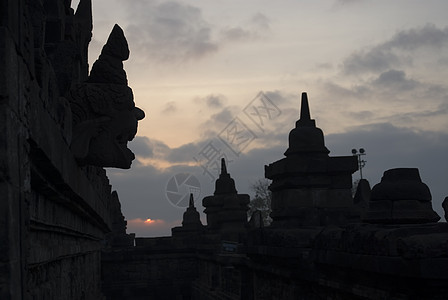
63 233
310 188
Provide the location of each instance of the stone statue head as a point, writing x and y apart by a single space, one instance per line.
104 113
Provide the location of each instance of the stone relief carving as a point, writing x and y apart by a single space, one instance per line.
104 113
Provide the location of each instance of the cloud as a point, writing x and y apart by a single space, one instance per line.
347 2
215 101
141 146
374 60
413 118
217 122
174 32
396 80
260 21
427 36
236 33
184 153
395 52
362 115
157 151
324 66
169 31
145 147
341 4
212 101
170 107
256 27
391 97
338 91
224 116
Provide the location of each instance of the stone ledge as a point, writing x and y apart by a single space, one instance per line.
52 154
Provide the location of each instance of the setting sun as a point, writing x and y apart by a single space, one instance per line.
149 221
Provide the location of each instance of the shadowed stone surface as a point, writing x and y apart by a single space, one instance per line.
362 196
401 197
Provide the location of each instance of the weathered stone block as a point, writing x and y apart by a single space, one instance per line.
9 78
335 198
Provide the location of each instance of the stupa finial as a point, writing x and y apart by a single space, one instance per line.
305 108
305 115
191 203
223 166
224 184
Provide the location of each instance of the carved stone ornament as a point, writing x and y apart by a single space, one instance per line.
104 113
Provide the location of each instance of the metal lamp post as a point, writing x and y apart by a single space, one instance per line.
361 162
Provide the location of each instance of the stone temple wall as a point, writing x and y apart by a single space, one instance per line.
54 213
161 268
356 261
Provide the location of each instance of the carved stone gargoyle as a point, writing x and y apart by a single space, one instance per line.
104 113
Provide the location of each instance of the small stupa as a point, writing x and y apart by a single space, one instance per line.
226 210
191 223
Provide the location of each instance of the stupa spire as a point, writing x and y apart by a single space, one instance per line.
305 115
223 166
191 203
224 184
305 108
191 218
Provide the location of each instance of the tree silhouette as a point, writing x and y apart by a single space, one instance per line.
261 200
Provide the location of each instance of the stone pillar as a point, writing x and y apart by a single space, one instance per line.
309 187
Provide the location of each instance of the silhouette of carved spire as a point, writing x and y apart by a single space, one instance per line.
224 184
109 66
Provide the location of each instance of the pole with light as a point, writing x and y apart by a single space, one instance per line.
361 162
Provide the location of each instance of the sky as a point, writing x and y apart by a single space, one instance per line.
375 73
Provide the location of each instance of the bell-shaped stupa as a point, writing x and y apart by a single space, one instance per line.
306 138
191 223
226 210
